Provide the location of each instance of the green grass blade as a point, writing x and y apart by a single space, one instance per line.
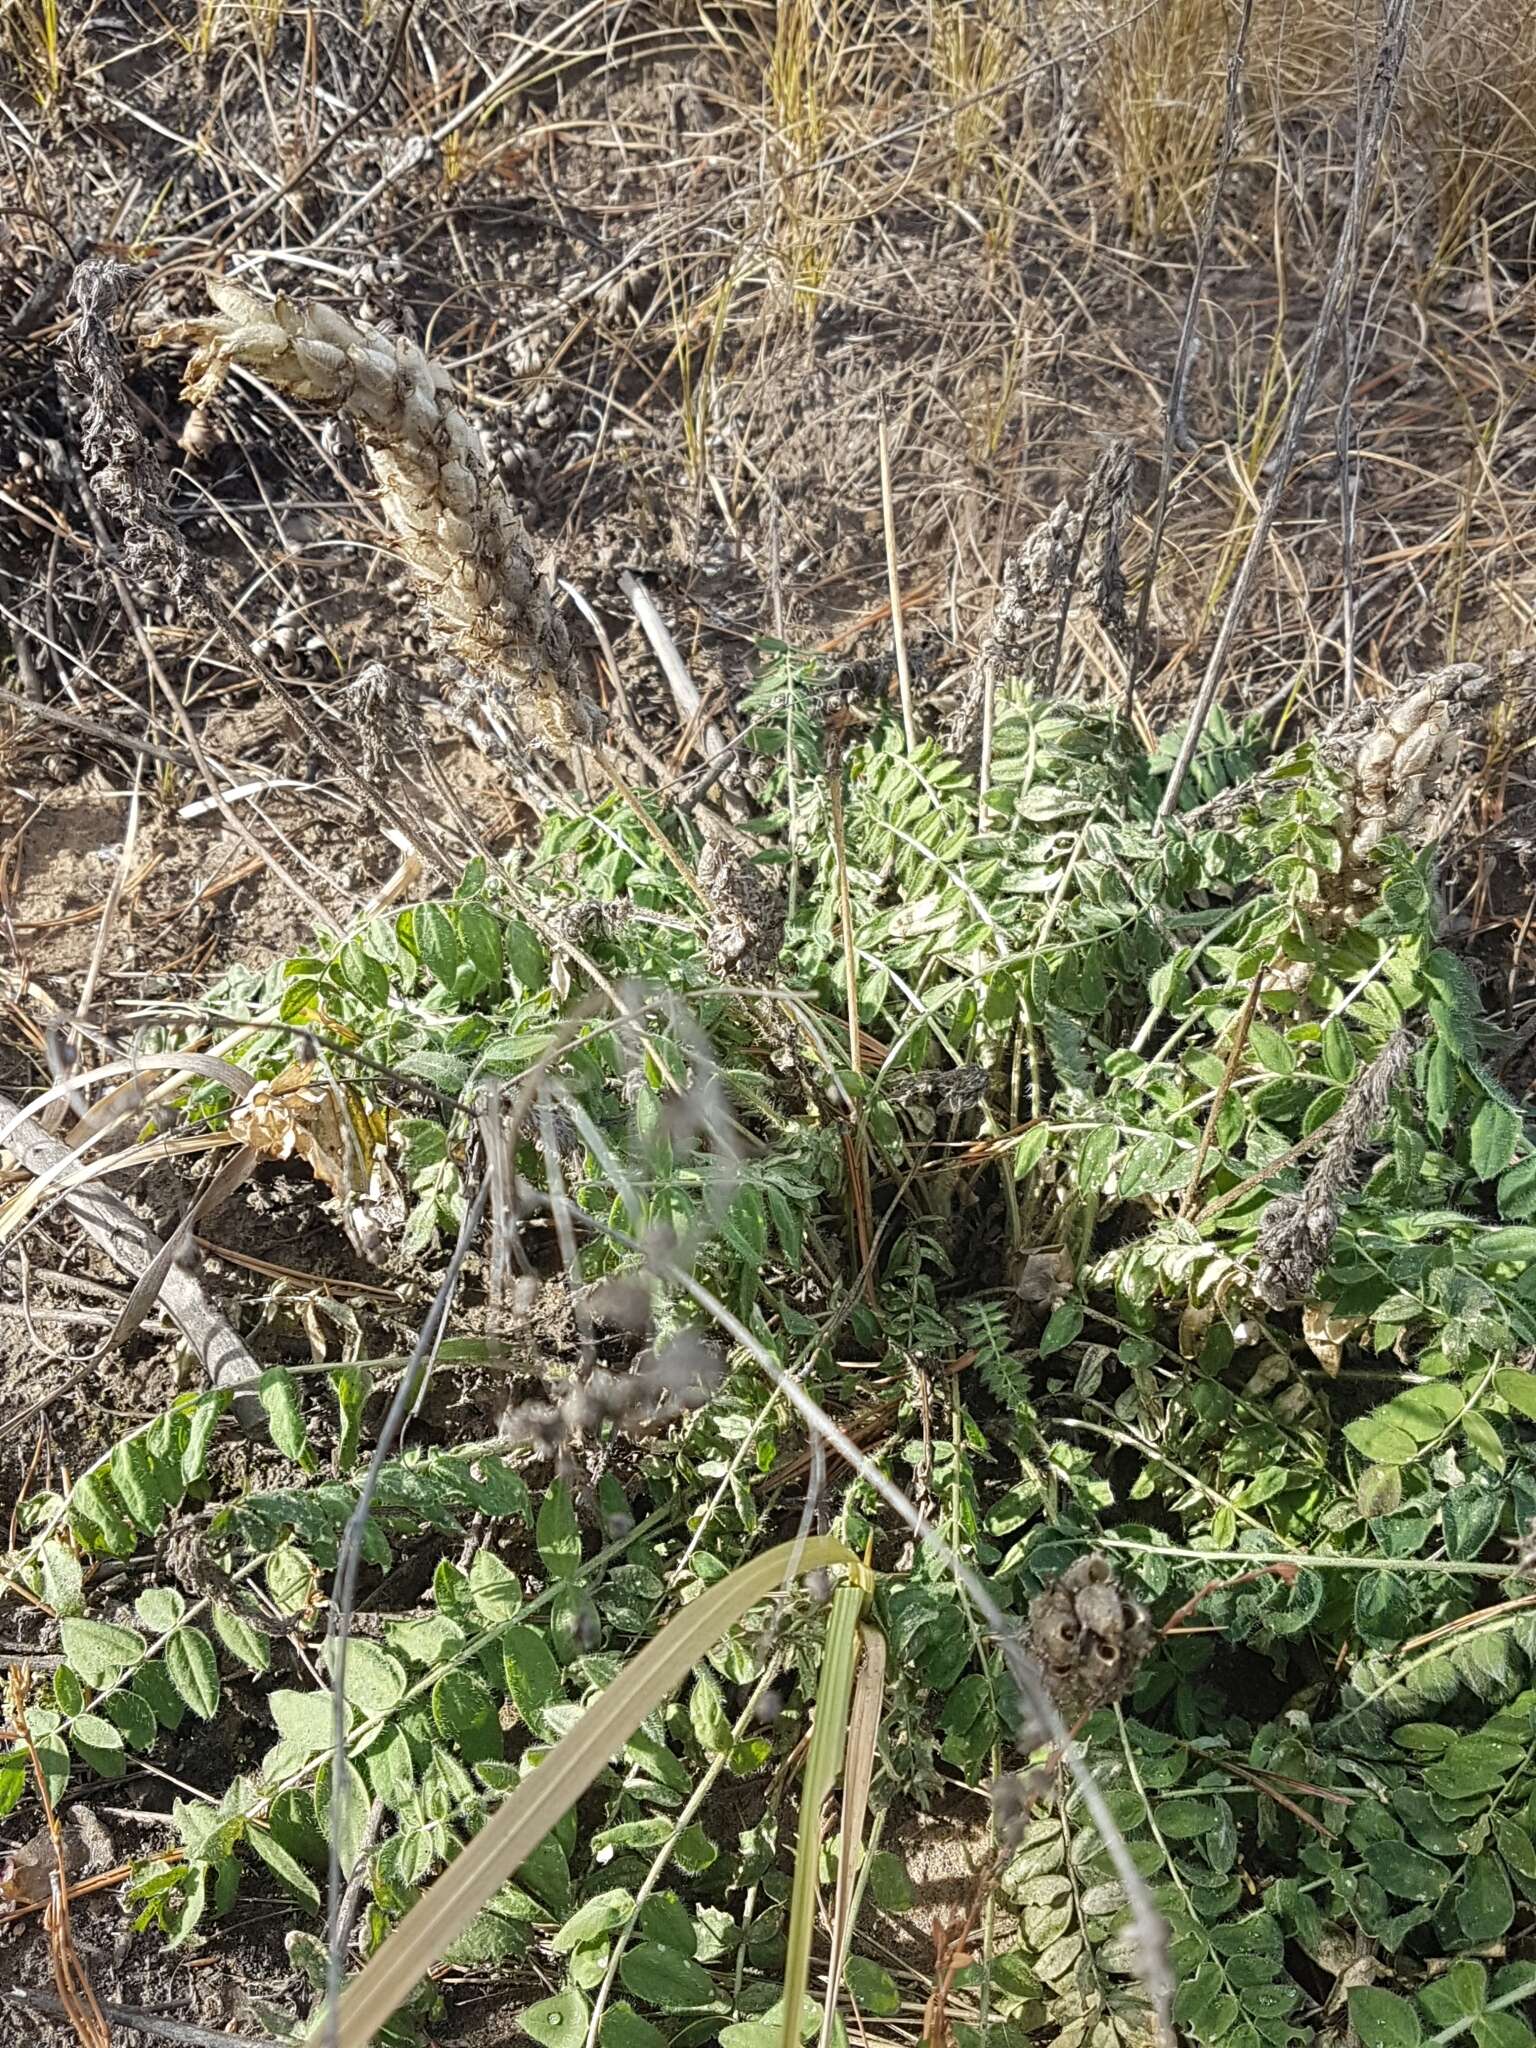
517 1827
858 1774
823 1762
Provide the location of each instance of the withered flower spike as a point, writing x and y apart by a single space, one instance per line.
749 911
446 505
1297 1234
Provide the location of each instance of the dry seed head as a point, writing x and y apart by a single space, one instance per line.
1297 1233
447 506
1396 761
1088 1636
749 930
124 470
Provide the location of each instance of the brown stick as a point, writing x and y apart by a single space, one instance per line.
130 1243
1267 1571
77 1995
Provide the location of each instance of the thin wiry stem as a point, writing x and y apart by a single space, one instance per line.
1340 281
1174 431
344 1596
893 583
1350 476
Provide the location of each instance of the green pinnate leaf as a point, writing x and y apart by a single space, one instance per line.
598 1915
279 1396
62 1579
303 1718
533 1676
558 1533
1492 1137
245 1643
1407 1872
1062 1327
1485 1901
160 1608
98 1743
557 2022
1383 2019
373 1681
137 1484
667 1980
460 1702
437 944
352 1384
873 1989
284 1867
97 1518
1517 1192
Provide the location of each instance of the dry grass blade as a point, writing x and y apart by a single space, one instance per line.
132 1245
1376 107
521 1823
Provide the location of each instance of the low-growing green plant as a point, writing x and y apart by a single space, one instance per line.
1167 1205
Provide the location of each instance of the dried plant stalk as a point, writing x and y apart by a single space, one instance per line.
451 514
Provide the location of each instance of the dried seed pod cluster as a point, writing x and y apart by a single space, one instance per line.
441 496
749 930
1397 760
1088 1637
667 1382
1066 556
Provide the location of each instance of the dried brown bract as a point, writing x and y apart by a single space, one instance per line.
749 913
445 503
1044 1279
1088 1637
1297 1233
